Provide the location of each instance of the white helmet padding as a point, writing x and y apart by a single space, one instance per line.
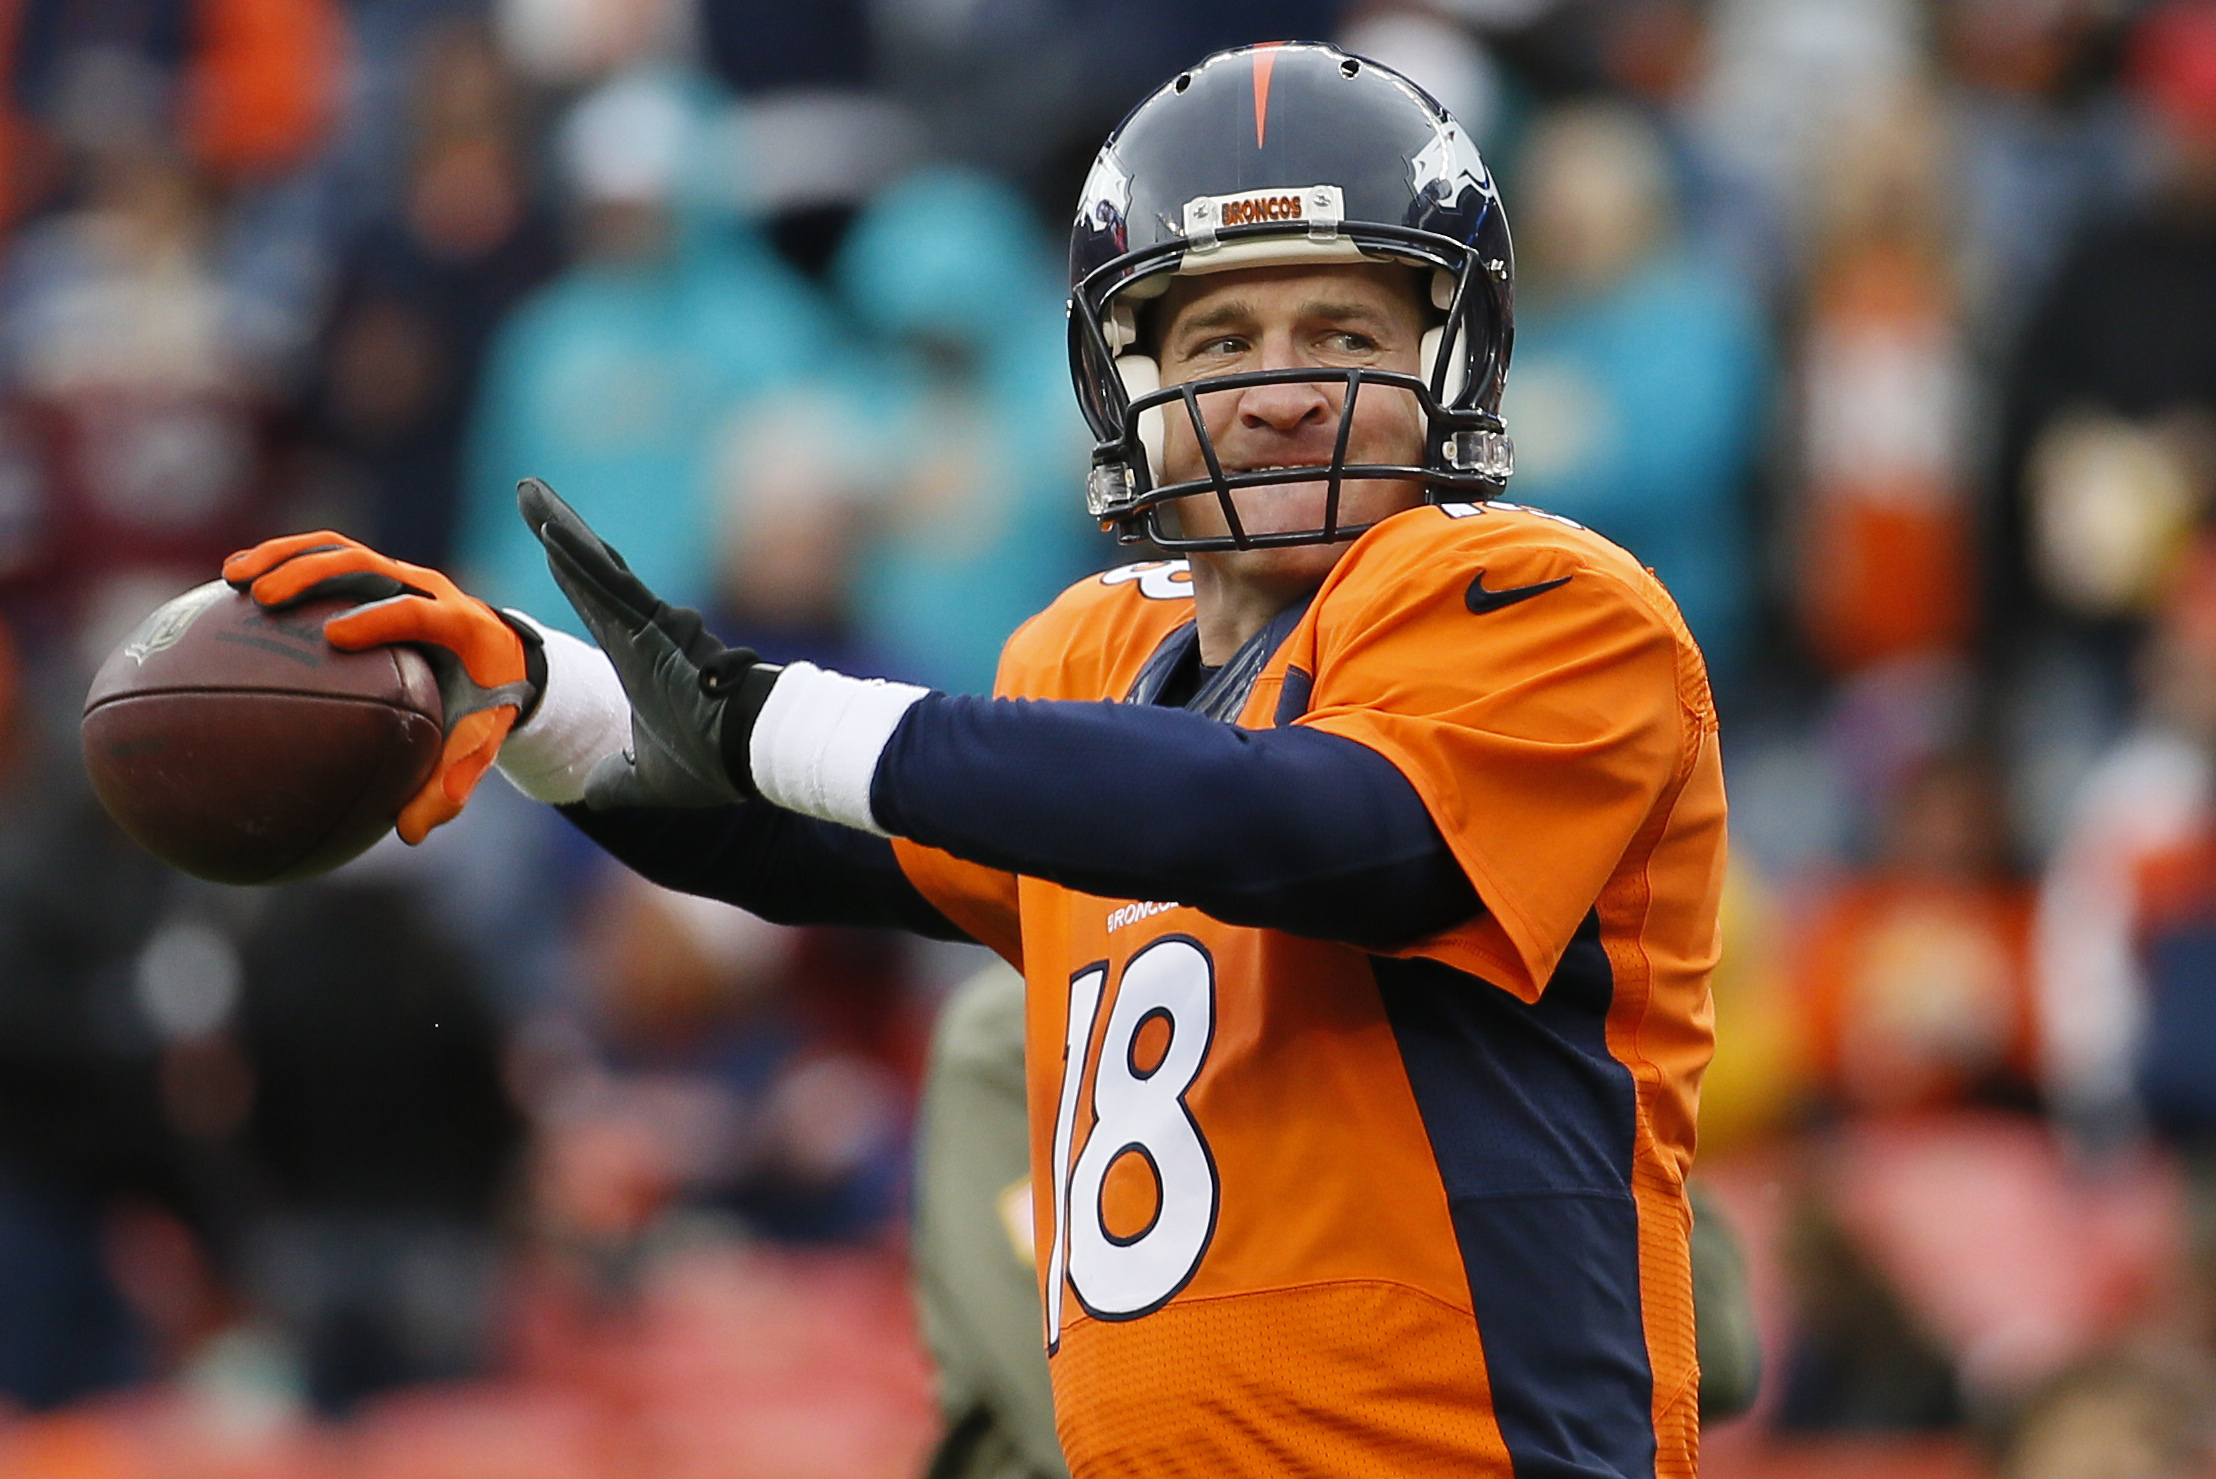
1435 344
1142 376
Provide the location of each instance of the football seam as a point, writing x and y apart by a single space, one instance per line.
228 690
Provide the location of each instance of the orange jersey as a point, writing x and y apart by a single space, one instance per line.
1307 1209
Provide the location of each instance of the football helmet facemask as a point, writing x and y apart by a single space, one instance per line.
1286 154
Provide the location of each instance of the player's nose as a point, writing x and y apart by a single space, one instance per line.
1284 408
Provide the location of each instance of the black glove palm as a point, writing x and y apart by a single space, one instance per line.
693 700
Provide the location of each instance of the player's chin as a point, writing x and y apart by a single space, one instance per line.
1299 508
1295 508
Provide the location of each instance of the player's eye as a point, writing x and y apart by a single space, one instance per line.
1349 341
1222 344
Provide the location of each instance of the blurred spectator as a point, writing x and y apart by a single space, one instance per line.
242 95
915 505
381 1121
974 527
1883 566
612 381
1028 88
423 291
1914 973
2176 933
1783 76
146 408
816 138
115 980
1636 396
723 1084
2042 149
2105 455
796 476
808 158
2147 798
2128 924
248 87
2145 1415
1916 999
758 46
573 44
1859 1359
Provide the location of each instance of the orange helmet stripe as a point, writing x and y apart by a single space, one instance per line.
1265 57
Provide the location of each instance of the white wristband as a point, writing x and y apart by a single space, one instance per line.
815 746
582 716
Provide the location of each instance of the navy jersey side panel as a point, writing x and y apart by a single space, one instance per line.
1532 1122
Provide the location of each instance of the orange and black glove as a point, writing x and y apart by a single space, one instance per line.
491 669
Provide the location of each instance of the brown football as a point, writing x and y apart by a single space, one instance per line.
240 746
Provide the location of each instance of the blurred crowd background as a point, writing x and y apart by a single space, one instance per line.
1885 330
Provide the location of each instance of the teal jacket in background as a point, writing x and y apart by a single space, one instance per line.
981 522
1639 413
612 383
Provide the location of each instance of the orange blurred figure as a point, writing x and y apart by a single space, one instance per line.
1915 980
1885 560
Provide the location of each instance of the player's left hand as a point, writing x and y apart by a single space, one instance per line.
693 700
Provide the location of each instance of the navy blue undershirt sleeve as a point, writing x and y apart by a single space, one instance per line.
1291 828
787 868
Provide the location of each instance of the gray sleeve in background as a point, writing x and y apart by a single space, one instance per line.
976 1289
1729 1346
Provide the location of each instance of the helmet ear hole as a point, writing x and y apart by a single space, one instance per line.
1435 343
1141 376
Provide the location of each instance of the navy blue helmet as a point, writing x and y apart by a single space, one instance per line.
1289 153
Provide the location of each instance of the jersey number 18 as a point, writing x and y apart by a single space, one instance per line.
1168 991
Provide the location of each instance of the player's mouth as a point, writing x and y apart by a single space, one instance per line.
1281 466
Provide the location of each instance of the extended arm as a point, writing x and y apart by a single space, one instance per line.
1292 828
710 772
787 868
1289 828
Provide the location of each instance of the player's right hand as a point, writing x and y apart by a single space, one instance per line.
489 669
693 700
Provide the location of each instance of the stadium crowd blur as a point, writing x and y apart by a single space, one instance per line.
1885 331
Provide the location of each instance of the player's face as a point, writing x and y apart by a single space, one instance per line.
1275 318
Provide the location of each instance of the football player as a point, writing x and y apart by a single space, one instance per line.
1363 864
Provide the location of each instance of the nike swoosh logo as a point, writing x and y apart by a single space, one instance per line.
1481 600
